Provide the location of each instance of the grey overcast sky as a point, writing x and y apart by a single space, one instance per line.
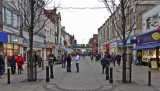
83 23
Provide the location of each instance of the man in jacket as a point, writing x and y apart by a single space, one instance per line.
104 63
13 64
2 64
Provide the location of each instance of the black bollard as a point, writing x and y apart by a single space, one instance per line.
107 72
130 73
149 78
51 70
8 71
47 74
111 75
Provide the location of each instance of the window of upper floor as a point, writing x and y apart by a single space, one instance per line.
148 23
10 18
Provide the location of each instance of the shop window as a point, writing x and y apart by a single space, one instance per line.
16 49
148 23
9 46
3 12
38 52
9 53
148 54
9 17
15 20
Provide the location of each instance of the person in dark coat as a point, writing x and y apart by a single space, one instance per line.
104 63
39 60
13 64
68 59
2 64
114 59
118 57
54 58
91 58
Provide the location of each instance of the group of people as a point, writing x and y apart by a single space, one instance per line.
66 59
110 58
12 61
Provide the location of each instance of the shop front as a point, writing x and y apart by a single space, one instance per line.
147 47
129 45
49 50
38 49
13 46
113 48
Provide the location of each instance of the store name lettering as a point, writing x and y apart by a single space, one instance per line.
14 39
148 39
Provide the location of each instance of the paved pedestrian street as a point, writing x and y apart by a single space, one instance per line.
90 78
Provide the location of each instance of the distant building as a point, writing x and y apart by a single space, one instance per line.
93 42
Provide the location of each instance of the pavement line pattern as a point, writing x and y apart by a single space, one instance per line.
84 80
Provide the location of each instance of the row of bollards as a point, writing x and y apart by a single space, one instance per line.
109 76
51 73
47 73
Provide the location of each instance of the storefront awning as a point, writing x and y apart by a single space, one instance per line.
146 47
3 36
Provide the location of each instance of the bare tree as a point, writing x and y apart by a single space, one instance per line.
32 20
125 14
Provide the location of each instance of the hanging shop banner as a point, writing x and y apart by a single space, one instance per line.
150 38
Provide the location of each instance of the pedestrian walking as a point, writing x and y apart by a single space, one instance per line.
54 58
68 59
50 60
13 64
39 60
77 59
139 60
97 57
20 63
104 63
2 64
114 59
91 58
118 57
63 61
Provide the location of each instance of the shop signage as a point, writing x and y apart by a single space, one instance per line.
154 64
3 37
114 44
149 38
156 36
14 39
129 42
